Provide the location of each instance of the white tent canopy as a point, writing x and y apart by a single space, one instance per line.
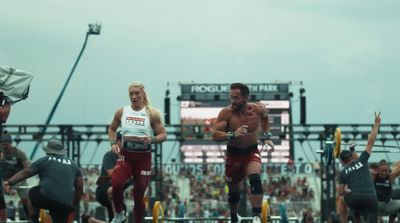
14 84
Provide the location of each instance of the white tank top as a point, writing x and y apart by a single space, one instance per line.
135 123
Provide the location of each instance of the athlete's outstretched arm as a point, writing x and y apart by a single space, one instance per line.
20 176
262 111
161 133
24 160
115 123
373 174
395 173
112 130
341 189
220 125
395 170
374 133
78 190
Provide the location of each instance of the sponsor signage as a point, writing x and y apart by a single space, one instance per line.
225 88
219 168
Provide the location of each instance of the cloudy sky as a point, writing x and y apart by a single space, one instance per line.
345 53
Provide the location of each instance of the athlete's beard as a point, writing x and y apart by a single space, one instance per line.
237 107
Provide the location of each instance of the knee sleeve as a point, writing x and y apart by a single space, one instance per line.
2 202
255 184
233 198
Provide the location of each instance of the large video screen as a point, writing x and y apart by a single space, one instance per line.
197 123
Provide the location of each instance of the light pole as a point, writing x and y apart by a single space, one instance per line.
94 29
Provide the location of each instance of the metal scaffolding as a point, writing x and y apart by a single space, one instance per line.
73 135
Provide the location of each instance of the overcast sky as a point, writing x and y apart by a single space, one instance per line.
344 52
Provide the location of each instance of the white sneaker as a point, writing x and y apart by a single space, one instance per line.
238 217
119 218
256 219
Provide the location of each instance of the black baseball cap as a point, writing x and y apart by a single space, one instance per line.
345 154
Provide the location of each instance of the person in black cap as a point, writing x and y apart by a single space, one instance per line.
14 160
355 182
61 184
341 206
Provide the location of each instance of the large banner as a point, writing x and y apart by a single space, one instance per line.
225 88
219 168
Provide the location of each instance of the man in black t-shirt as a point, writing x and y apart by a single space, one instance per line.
355 181
60 186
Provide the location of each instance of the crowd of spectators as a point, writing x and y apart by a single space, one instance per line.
205 195
208 194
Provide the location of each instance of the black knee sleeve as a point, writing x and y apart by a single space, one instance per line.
255 184
233 198
2 202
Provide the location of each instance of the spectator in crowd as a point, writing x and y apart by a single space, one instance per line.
307 216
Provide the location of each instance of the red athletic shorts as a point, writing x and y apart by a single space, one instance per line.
237 161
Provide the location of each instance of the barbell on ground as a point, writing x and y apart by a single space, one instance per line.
158 215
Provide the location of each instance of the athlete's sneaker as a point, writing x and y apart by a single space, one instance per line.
238 217
256 219
119 218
